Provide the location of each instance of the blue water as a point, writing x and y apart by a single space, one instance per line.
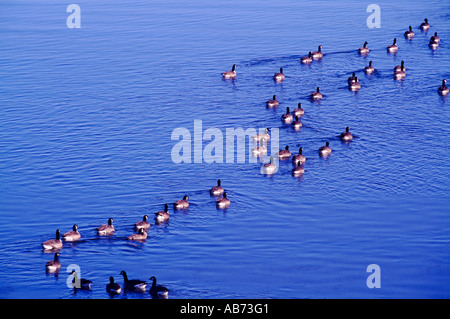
86 117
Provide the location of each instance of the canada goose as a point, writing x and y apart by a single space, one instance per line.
436 38
106 229
364 49
260 149
223 202
279 76
399 68
346 136
80 283
217 190
273 102
296 124
433 44
355 85
400 75
317 55
53 243
316 95
325 151
141 235
284 154
409 34
269 168
369 69
182 203
162 216
351 78
306 59
298 170
113 287
158 290
299 111
287 117
142 224
299 158
392 48
443 90
53 265
72 235
425 25
265 135
133 284
230 74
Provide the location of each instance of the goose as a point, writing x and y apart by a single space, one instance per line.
433 44
269 168
355 85
162 216
260 149
399 68
158 290
223 202
53 243
217 190
141 235
80 283
298 111
230 74
316 95
351 78
424 26
279 77
296 124
409 34
298 170
346 136
400 75
133 284
53 265
325 151
364 49
142 224
182 203
284 154
299 158
392 48
287 117
106 229
72 235
443 90
436 38
369 69
265 135
317 55
273 102
306 59
113 287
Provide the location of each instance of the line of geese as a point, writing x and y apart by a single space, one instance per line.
353 84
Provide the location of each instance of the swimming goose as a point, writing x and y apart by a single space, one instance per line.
355 85
298 111
425 25
217 190
260 149
141 235
72 235
265 135
284 154
364 49
369 69
443 90
317 55
392 48
296 124
162 216
269 168
306 59
53 265
106 229
53 243
325 151
144 224
273 102
113 287
400 75
346 136
133 284
80 283
316 95
399 68
287 117
433 44
230 74
279 77
351 78
409 34
299 158
158 290
223 202
436 38
182 203
298 170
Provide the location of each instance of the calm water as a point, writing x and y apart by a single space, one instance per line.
86 117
